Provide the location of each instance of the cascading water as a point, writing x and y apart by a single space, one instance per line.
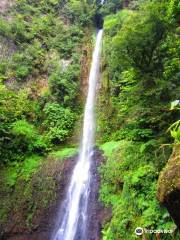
73 224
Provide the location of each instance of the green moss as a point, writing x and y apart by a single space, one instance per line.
169 179
23 170
30 166
112 21
15 183
64 153
29 187
10 175
109 147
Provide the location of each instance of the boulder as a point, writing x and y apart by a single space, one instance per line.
169 186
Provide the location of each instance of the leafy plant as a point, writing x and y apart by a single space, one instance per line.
64 153
59 122
140 78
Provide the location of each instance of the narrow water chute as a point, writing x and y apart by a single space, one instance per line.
72 226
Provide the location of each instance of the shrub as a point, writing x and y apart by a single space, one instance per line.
58 122
128 184
27 137
64 85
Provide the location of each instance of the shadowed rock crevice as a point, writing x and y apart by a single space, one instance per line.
99 21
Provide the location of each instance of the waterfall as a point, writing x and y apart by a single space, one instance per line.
72 225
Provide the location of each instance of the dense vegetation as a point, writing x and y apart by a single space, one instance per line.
39 77
42 47
140 80
42 44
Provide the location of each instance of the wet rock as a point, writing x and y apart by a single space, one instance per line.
126 3
5 4
44 217
95 207
169 186
99 21
44 220
7 48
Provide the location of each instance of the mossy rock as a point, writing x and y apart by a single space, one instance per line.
169 185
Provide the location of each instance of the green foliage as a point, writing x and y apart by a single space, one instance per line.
175 127
27 184
58 122
140 80
129 186
32 184
24 129
64 85
79 11
139 91
30 61
27 136
42 42
64 153
18 136
4 28
114 21
148 146
30 166
23 170
175 131
111 6
42 65
108 148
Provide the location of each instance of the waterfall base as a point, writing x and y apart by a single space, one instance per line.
96 213
44 218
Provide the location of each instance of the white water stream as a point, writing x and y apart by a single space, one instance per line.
74 221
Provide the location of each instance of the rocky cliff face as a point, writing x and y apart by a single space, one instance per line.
85 63
7 47
31 218
33 204
169 186
126 3
4 5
